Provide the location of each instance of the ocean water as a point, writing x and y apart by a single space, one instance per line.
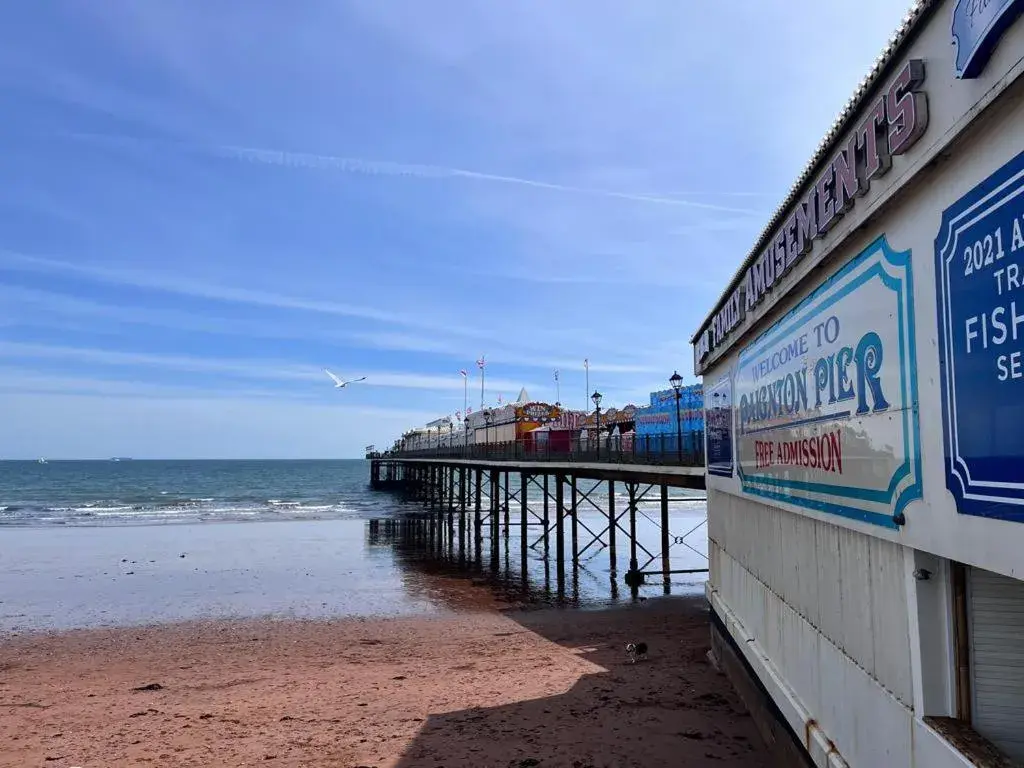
87 544
90 493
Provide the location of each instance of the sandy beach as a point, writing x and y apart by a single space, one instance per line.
486 687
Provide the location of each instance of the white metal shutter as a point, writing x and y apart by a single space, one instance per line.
996 616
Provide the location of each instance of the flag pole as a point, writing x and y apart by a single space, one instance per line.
586 395
481 363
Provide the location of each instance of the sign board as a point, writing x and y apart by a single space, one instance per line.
826 399
540 413
979 255
719 432
687 396
977 27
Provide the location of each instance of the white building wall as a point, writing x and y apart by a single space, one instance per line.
853 648
843 584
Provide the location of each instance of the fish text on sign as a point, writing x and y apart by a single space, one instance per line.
1002 323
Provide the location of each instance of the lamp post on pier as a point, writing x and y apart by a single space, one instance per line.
596 397
466 437
677 384
487 429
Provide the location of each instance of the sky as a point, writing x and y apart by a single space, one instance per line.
203 204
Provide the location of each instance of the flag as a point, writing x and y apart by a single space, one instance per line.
480 363
458 415
463 372
586 363
469 410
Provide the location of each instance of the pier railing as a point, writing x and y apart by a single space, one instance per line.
642 449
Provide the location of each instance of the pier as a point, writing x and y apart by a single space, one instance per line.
499 511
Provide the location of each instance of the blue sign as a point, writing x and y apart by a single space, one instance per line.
979 254
977 27
718 434
826 398
659 418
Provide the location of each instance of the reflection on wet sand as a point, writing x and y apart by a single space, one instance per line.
451 569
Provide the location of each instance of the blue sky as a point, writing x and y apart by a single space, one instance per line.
205 203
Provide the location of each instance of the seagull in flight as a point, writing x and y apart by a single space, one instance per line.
340 383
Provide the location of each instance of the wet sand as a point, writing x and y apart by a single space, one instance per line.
478 689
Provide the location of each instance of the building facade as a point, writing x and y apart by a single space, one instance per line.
864 409
658 425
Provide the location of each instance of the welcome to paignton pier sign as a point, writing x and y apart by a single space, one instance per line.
826 399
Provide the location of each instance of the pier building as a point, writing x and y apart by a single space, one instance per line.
864 409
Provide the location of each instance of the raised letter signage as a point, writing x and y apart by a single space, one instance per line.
977 27
891 125
826 399
718 428
979 254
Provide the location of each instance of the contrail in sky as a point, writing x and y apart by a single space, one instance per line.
355 165
385 168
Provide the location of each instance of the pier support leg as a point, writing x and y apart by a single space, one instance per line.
462 514
611 528
547 516
495 524
665 560
560 533
507 512
633 579
477 522
574 500
451 509
523 523
442 477
433 486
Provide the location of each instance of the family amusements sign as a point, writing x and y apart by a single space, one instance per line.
979 267
826 399
893 124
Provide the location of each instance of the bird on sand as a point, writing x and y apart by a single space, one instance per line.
340 383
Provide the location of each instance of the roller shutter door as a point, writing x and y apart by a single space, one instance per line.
996 616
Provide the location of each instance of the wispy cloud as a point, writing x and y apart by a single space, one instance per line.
370 167
264 369
376 167
15 379
36 308
498 351
166 282
48 309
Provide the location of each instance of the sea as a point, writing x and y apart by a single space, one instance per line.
88 544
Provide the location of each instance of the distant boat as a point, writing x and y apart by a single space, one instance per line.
42 461
121 458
